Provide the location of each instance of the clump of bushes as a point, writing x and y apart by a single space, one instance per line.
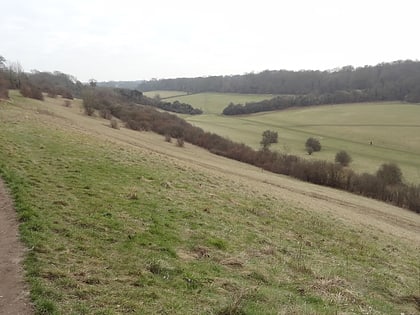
180 142
4 92
343 158
312 145
31 91
114 123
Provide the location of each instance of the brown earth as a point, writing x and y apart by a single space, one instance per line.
14 297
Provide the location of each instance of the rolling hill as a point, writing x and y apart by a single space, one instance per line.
122 222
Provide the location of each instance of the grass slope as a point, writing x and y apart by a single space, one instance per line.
393 128
116 228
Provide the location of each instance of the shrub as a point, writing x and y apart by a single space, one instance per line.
67 103
180 142
114 124
343 158
312 145
106 114
31 91
168 138
269 137
4 92
390 174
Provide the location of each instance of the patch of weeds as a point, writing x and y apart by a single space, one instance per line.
157 267
238 301
298 262
218 243
191 282
132 194
259 277
45 306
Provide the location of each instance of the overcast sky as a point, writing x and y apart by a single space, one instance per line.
131 40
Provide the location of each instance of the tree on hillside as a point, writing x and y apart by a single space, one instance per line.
390 174
269 137
2 63
93 83
90 101
343 158
312 145
4 93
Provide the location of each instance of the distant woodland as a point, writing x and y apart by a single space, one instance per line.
395 81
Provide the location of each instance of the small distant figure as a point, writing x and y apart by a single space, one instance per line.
371 143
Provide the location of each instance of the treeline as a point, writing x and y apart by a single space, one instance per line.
399 80
130 85
384 185
33 84
286 101
36 83
101 98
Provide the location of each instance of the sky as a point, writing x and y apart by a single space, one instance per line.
140 40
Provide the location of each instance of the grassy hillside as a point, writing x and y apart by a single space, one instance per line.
393 128
121 222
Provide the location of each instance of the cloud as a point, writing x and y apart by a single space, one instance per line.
129 39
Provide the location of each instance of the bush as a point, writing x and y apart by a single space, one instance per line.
312 145
31 91
4 92
343 158
390 174
168 138
269 137
114 124
180 142
67 103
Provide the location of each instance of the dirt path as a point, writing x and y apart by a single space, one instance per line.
14 298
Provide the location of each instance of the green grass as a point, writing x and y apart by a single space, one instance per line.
118 229
212 103
165 94
394 129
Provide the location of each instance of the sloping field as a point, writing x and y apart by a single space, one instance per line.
393 129
122 222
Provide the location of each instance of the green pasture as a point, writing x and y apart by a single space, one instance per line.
165 94
113 228
393 128
212 103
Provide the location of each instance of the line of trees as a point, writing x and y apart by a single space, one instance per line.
398 80
386 184
33 84
286 101
100 98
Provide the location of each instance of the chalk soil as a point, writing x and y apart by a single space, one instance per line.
14 298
